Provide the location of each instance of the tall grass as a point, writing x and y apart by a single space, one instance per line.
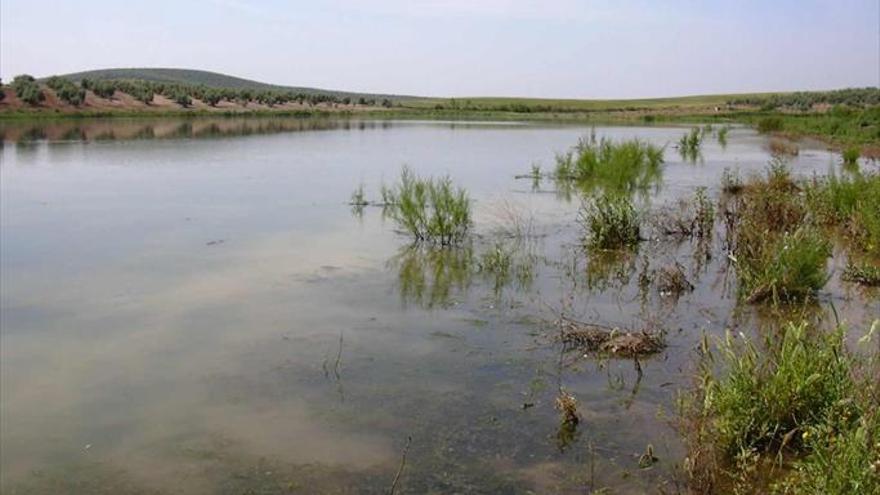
611 166
431 210
851 155
801 393
611 222
852 203
690 143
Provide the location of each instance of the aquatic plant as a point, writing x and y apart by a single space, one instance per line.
722 136
782 147
431 210
786 267
851 155
769 124
672 281
802 393
690 143
731 182
610 166
611 222
358 198
609 341
851 203
704 215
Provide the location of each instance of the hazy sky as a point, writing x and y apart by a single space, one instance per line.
549 48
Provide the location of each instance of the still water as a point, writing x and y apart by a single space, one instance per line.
192 307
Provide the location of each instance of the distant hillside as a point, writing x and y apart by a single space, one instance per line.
211 79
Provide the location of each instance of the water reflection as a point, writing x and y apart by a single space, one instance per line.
146 128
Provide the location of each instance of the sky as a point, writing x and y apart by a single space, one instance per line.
455 48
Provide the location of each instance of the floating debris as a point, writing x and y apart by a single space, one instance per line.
611 341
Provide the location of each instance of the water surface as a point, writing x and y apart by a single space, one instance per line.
192 307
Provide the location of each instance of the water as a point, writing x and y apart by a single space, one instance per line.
192 307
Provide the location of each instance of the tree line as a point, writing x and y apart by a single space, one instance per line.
805 100
28 90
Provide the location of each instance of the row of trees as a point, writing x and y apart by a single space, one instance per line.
806 100
29 91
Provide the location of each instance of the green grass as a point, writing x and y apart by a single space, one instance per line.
863 274
850 202
431 210
690 143
851 155
608 166
800 399
611 222
783 268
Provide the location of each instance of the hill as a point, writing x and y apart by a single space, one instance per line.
210 79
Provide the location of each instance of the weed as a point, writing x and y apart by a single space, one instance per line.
431 210
731 182
863 274
611 222
615 342
787 267
358 198
782 147
689 144
672 281
621 167
769 124
722 136
851 155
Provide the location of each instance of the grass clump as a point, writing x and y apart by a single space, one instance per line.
769 124
782 147
358 198
851 155
851 203
787 267
611 222
731 182
801 396
690 143
611 166
431 210
862 274
722 136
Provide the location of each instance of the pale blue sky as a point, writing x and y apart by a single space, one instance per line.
547 48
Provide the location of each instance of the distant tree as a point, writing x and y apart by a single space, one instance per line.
27 89
387 103
212 97
362 101
67 90
2 93
346 101
182 99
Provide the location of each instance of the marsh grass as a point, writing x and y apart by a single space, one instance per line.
689 145
782 268
358 198
850 203
783 147
722 136
851 155
862 274
801 395
431 210
611 222
610 166
731 182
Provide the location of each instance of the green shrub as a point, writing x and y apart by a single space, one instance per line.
851 155
431 210
769 124
27 89
611 222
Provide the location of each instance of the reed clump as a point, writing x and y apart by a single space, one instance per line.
689 145
610 166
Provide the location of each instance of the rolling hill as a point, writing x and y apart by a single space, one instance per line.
211 79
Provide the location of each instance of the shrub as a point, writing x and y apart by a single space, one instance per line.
67 90
182 99
27 89
431 210
851 155
769 124
611 222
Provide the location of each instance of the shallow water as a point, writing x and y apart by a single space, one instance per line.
192 307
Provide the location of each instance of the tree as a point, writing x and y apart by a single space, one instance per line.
27 89
182 99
